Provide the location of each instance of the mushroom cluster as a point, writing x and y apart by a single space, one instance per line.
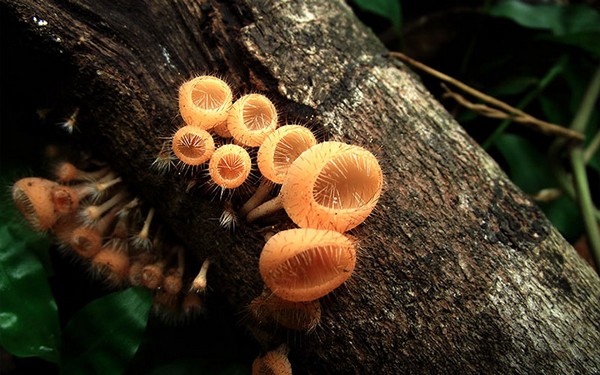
327 188
99 222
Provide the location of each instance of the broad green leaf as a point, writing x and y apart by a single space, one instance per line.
528 168
103 337
29 324
388 9
559 19
564 215
587 41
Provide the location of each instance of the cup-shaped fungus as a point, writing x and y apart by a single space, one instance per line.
204 101
67 172
301 316
274 362
221 130
279 150
112 264
192 145
306 264
33 197
86 240
229 166
251 119
332 186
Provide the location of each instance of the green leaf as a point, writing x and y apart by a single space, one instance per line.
29 325
587 41
103 337
565 216
388 9
559 19
527 166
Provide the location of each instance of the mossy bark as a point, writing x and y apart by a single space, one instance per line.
458 270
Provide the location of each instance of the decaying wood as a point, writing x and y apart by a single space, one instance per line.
458 270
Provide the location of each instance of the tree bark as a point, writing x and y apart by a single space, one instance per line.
458 270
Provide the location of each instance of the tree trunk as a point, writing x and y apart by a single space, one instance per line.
458 270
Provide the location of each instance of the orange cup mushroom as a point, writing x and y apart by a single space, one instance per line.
274 362
281 148
230 166
332 186
300 316
33 197
305 264
251 119
204 102
192 145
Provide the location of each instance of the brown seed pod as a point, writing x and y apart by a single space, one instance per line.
306 264
204 101
229 166
279 150
332 186
251 119
33 197
301 316
192 145
274 362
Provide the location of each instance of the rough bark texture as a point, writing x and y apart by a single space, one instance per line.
458 270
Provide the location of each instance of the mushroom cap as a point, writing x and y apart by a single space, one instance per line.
230 166
251 119
332 186
279 150
301 316
274 362
305 264
204 101
86 241
33 197
192 145
113 264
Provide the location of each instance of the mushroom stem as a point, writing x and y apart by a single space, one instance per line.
265 209
259 196
199 283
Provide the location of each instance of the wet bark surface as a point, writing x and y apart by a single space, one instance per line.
458 270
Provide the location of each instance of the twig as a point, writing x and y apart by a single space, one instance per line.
483 109
514 113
